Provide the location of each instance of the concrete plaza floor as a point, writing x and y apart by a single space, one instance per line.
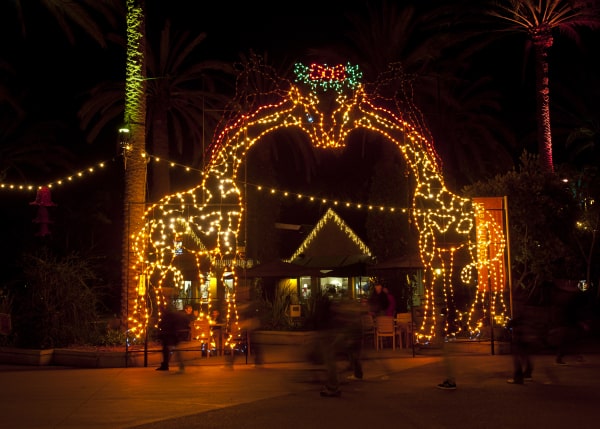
398 388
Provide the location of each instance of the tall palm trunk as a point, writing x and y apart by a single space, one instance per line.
538 18
542 42
135 162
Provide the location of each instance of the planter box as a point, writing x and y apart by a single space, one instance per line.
282 346
273 346
16 356
135 358
295 338
89 359
105 358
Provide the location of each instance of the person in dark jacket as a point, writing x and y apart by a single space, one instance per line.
391 308
378 301
526 336
170 326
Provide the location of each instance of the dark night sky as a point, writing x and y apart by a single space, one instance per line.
281 28
55 71
52 73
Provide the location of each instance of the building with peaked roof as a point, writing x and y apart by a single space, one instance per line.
334 248
331 244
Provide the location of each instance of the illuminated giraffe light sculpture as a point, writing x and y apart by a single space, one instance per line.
454 232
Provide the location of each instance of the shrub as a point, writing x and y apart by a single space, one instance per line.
274 314
57 302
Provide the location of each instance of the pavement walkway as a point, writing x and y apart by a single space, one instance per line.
210 393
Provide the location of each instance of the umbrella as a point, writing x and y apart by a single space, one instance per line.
281 269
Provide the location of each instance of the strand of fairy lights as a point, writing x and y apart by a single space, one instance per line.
436 211
298 196
202 213
330 215
81 174
495 271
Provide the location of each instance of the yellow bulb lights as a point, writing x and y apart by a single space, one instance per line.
211 213
205 221
330 215
58 182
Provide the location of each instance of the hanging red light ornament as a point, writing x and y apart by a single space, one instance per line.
43 200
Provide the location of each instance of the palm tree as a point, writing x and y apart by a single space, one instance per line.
28 141
172 106
576 120
390 33
434 47
183 104
539 19
472 139
82 14
183 96
134 147
29 147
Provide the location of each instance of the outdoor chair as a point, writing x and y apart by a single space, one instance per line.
384 328
405 329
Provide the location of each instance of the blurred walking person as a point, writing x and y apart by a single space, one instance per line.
526 328
344 337
449 359
522 344
171 325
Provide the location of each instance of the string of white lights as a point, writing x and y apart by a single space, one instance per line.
58 182
274 192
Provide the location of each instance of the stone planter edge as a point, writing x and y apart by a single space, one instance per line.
34 357
294 338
